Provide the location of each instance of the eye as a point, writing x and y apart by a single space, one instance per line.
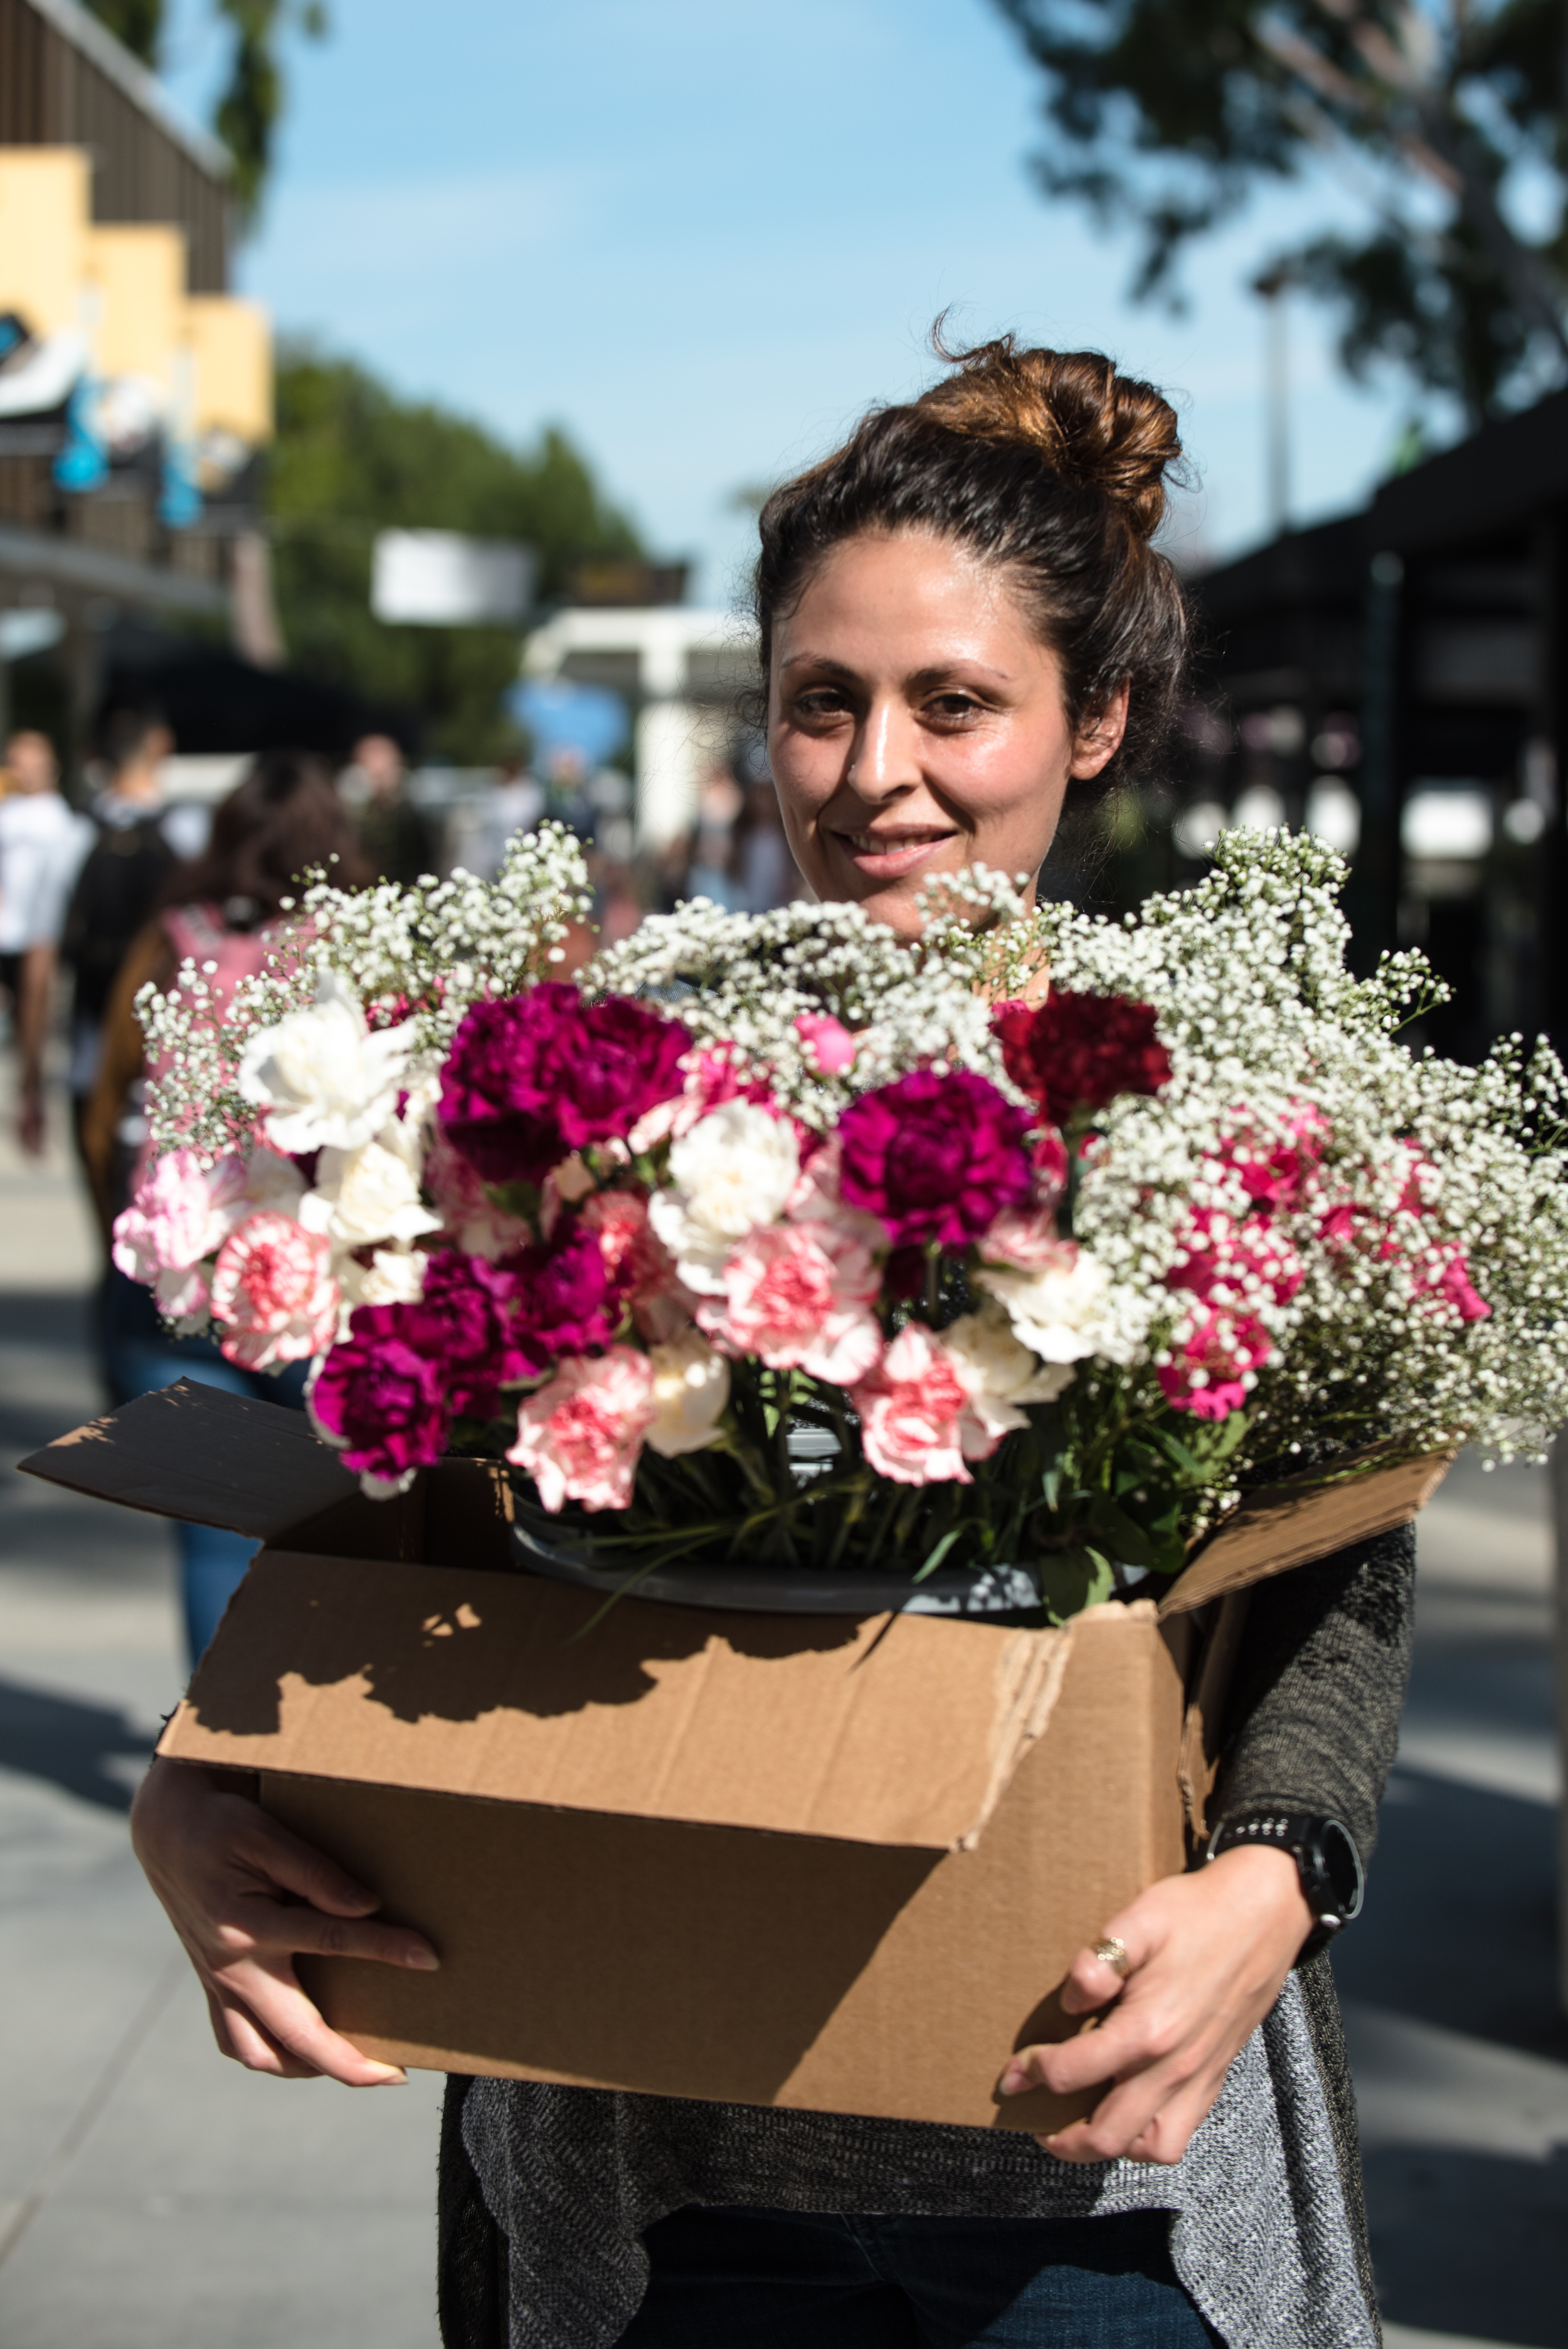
955 708
819 702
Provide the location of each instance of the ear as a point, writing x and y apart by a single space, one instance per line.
1100 738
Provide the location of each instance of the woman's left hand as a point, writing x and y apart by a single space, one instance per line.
1207 1953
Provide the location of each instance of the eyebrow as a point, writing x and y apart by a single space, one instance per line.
922 677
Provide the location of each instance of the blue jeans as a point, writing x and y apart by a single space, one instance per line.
784 2280
140 1354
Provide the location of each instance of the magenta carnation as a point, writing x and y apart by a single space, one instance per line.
530 1078
465 1323
936 1157
564 1299
380 1400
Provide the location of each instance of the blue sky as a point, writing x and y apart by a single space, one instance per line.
702 233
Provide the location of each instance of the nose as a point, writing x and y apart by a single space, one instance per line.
883 759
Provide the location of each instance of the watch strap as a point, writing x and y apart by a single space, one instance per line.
1309 1836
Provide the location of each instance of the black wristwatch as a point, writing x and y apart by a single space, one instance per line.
1331 1878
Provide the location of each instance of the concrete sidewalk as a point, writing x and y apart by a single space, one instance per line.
152 2196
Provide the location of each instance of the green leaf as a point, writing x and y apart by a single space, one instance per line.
1072 1580
1126 1539
938 1553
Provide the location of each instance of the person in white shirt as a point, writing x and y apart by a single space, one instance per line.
42 845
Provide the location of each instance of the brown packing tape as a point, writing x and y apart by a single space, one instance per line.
875 1730
199 1453
1287 1527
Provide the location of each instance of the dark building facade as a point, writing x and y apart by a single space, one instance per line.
1400 676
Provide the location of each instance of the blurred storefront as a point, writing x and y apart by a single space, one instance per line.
135 391
1397 680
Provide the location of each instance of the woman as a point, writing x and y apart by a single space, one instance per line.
219 912
963 617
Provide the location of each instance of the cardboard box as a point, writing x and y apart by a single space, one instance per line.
824 1861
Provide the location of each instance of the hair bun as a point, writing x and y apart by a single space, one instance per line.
1095 428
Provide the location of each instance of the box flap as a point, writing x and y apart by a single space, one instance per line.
1291 1525
901 1730
203 1455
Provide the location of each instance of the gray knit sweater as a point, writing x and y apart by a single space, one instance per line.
545 2192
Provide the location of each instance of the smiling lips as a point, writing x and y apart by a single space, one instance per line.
885 855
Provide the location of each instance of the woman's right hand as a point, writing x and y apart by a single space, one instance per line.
245 1895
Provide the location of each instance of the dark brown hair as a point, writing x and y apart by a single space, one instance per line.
283 818
1048 463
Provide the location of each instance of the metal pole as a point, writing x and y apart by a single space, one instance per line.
1559 1473
1272 288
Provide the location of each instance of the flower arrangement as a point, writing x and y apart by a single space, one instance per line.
771 1238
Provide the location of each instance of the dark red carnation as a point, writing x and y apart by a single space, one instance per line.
530 1078
1076 1053
382 1402
937 1158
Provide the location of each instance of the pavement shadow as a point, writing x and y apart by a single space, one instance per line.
69 1742
1460 1928
1470 2243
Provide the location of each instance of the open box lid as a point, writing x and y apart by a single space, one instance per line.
203 1455
901 1730
213 1458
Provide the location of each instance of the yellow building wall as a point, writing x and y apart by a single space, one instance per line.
45 210
139 276
232 347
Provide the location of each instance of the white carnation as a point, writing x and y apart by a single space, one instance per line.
392 1276
691 1388
368 1194
1058 1312
323 1079
999 1374
734 1170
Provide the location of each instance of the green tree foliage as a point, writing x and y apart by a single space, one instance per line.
350 459
139 23
1171 113
250 103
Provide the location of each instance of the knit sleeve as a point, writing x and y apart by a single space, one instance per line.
1314 1713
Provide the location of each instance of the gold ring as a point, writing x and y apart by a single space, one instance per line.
1113 1953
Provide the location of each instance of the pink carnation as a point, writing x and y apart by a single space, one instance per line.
798 1295
272 1292
1025 1238
911 1412
636 1264
581 1436
180 1212
827 1043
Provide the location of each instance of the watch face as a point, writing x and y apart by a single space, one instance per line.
1339 1867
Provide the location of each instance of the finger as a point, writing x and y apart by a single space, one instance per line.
1092 1982
1130 2111
293 2032
296 1867
1172 2130
277 1928
242 2040
1141 2029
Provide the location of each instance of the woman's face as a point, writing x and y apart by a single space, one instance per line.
915 724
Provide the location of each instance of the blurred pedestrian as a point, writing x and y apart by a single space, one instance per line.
764 870
42 844
222 913
133 854
399 841
513 804
712 873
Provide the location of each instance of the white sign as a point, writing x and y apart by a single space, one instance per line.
438 579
